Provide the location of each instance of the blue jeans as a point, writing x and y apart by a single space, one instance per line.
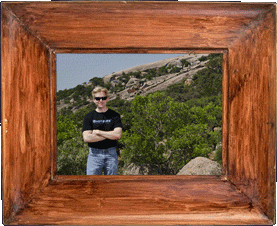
102 159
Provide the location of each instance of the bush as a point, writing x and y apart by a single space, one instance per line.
72 157
97 81
185 63
203 58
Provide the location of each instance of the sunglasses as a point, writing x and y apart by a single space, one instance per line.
100 98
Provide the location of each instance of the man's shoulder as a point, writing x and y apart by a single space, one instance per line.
113 112
90 114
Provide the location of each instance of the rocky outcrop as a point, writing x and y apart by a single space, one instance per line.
136 86
176 61
201 166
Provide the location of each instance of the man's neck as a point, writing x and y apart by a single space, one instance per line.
101 110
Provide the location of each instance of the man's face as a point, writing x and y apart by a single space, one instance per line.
100 99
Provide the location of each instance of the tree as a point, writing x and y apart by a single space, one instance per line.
165 134
71 150
189 142
66 129
72 157
185 63
97 81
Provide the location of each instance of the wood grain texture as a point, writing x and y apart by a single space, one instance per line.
189 200
32 33
137 24
25 111
252 126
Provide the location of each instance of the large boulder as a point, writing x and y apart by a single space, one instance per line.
201 166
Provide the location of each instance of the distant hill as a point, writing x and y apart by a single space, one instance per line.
139 80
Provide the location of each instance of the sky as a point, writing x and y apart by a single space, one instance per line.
74 69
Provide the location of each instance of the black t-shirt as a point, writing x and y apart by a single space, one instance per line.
105 121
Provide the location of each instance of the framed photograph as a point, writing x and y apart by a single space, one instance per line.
164 101
33 33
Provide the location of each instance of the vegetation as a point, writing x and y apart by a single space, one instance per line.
162 131
164 134
71 150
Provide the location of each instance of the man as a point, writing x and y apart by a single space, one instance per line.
101 130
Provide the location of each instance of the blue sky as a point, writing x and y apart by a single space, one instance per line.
74 69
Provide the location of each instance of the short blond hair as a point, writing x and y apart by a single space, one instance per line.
99 89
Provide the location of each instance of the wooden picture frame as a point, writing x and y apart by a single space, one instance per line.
33 32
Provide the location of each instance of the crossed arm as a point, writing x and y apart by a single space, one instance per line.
92 136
